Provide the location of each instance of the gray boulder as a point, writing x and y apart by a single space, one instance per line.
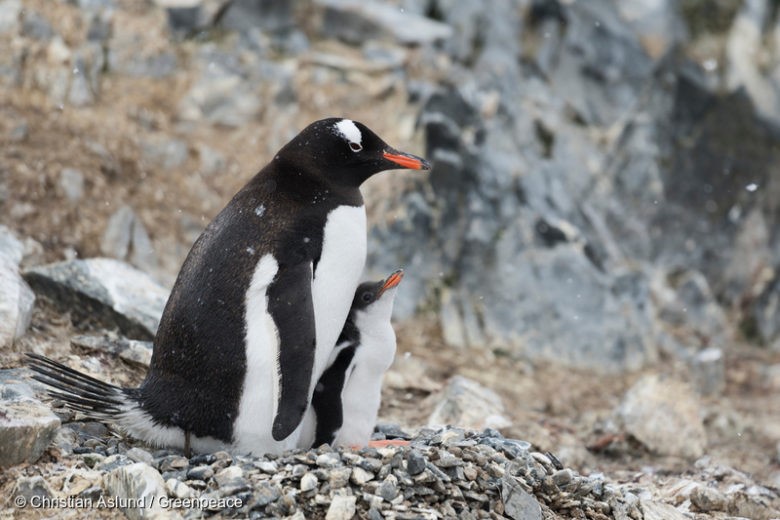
664 415
357 22
108 291
26 425
16 297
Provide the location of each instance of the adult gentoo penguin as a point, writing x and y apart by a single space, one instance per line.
258 304
346 399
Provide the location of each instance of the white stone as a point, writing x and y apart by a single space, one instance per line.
663 414
142 485
308 482
342 507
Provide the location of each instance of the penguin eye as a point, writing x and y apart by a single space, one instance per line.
366 297
355 147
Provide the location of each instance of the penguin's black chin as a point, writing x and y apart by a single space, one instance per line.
398 160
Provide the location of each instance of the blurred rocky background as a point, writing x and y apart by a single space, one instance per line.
593 264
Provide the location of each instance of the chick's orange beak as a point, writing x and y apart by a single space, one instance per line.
392 281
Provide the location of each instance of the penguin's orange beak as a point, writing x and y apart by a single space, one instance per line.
406 160
392 281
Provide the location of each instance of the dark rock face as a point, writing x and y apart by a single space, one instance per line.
533 235
597 64
509 252
707 177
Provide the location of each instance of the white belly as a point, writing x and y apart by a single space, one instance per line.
336 279
257 408
362 392
338 272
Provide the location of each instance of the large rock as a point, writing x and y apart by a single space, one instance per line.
665 416
26 425
105 290
466 403
686 305
356 22
16 297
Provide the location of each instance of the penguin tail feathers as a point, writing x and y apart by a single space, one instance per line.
80 392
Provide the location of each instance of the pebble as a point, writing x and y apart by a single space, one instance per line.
445 473
415 462
388 490
172 463
26 429
341 508
328 460
267 466
707 499
179 489
140 455
562 477
112 462
234 487
339 477
309 482
71 184
142 487
447 460
266 493
203 473
228 474
360 476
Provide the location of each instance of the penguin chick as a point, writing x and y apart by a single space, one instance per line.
346 399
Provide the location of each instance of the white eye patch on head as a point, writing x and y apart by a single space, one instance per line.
347 129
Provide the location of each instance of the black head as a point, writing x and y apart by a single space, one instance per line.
369 303
345 152
370 292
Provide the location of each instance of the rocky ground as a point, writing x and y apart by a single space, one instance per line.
591 266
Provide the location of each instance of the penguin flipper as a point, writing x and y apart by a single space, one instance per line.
291 306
